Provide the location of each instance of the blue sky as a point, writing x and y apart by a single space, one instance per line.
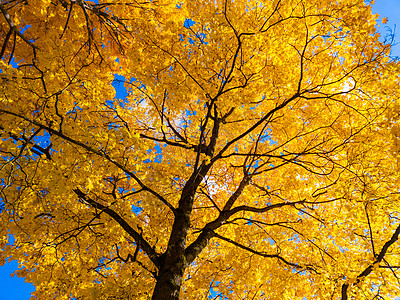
391 10
14 288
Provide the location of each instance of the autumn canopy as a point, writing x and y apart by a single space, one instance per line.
187 149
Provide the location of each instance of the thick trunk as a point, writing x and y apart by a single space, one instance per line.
170 275
168 284
173 263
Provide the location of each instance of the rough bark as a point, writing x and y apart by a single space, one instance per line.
173 262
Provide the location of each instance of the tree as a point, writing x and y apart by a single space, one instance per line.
254 154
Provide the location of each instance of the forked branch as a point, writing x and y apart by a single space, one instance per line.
369 269
144 245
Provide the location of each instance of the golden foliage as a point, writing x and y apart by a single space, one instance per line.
255 153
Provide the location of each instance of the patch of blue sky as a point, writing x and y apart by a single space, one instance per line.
11 239
394 218
20 288
202 36
270 241
296 271
193 36
188 23
215 294
102 266
14 63
190 112
74 111
302 214
23 29
189 53
121 92
265 136
184 123
2 185
158 151
219 76
253 165
42 140
341 249
136 209
249 221
391 10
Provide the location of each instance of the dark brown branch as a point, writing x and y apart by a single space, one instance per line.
168 142
133 258
194 249
370 268
179 63
264 254
3 48
154 257
211 199
370 231
94 151
13 28
232 199
254 126
207 232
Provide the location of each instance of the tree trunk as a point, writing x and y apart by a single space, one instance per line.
168 284
174 262
173 265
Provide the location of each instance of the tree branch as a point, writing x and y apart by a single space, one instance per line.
154 257
370 268
263 254
94 151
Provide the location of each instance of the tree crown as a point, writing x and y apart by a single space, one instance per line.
255 148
